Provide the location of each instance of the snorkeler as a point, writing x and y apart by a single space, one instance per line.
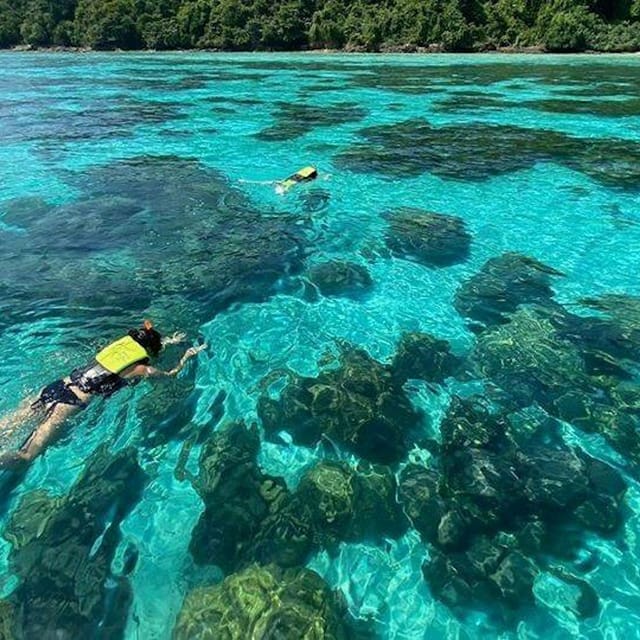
306 174
118 365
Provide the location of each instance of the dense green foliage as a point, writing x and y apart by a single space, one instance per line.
452 25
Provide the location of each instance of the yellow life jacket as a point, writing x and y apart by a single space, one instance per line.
304 175
119 355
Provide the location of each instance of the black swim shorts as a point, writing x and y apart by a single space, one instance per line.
57 393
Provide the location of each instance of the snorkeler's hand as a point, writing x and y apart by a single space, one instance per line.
192 351
189 353
176 338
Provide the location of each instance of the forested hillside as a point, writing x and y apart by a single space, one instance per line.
450 25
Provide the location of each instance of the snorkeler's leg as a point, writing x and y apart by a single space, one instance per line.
40 438
10 422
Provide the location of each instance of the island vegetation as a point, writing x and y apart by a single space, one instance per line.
351 25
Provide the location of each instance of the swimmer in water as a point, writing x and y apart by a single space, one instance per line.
120 364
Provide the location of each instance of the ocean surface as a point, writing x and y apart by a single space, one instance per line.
144 186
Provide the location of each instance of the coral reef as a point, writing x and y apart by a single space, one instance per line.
495 500
145 228
529 358
237 498
425 357
62 549
263 602
501 286
339 278
295 119
252 517
477 152
433 239
360 404
560 361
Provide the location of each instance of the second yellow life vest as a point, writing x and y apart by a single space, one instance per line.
304 175
119 355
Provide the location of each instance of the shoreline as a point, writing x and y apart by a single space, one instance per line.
408 50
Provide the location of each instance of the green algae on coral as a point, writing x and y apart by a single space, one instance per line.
545 356
528 358
7 618
359 405
263 602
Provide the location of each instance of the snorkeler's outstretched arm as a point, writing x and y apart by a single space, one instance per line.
188 354
145 371
175 338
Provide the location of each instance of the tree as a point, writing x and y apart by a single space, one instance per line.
565 26
192 19
107 24
287 27
11 13
456 25
326 30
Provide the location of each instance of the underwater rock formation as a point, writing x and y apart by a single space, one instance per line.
493 501
618 332
237 498
490 570
528 358
252 517
558 589
264 602
603 413
502 285
339 278
295 119
477 152
359 405
97 120
343 503
425 357
602 108
332 503
163 226
546 356
167 411
62 549
433 239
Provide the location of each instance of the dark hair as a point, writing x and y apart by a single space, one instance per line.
150 339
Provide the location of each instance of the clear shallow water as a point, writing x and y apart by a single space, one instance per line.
77 268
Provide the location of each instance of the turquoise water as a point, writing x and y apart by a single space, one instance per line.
142 186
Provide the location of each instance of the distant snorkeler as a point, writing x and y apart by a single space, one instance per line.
119 364
306 174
